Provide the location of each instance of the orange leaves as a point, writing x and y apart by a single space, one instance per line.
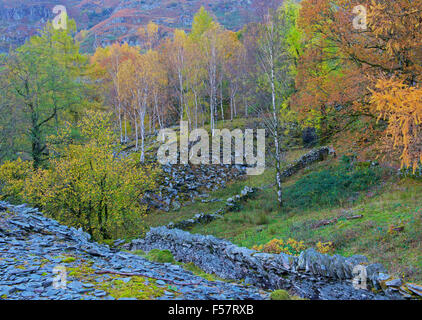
110 58
391 43
401 106
341 63
397 36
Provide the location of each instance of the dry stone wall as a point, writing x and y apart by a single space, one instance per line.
309 274
311 157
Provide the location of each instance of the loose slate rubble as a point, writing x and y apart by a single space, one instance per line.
31 246
182 184
311 275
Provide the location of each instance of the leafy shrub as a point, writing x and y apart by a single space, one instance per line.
277 246
292 247
85 185
331 187
325 247
12 179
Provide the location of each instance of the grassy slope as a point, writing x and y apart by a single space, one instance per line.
159 218
394 202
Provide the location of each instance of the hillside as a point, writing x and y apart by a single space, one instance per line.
110 20
155 153
337 206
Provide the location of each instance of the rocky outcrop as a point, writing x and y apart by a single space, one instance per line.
213 178
183 184
32 246
312 275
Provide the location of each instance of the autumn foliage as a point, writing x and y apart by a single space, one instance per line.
86 185
351 74
401 106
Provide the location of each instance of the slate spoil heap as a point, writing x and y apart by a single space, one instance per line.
31 246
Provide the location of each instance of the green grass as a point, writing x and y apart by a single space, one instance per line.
157 218
322 192
138 287
201 273
386 201
397 202
69 259
332 186
161 256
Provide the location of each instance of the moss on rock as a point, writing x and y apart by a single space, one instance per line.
201 273
283 295
136 287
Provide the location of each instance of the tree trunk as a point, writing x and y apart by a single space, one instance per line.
276 135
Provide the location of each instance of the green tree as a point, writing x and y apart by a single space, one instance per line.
44 84
202 22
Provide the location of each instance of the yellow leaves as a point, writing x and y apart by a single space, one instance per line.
277 246
95 126
325 247
149 35
180 38
138 78
292 247
13 176
152 29
107 61
401 106
87 186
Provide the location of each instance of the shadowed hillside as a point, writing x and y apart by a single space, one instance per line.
105 21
